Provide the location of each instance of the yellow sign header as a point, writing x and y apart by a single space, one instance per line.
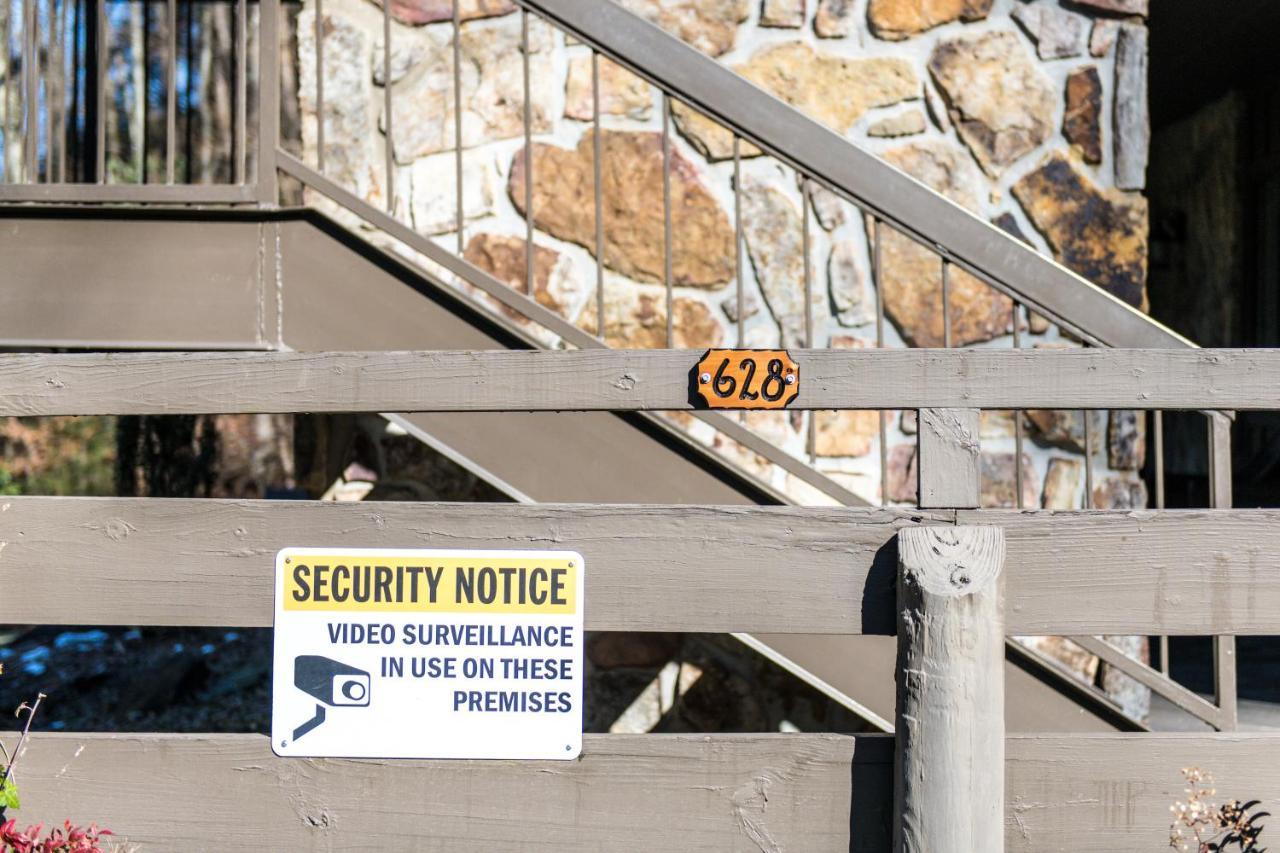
406 582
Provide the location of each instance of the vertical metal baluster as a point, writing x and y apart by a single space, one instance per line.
666 213
50 108
65 35
30 65
171 90
1088 459
319 39
388 152
4 101
48 77
188 128
1018 473
58 101
45 81
457 121
144 96
878 280
597 153
13 94
528 156
138 73
242 90
737 236
811 437
18 88
1157 427
1220 497
100 95
8 101
24 99
78 59
946 303
266 187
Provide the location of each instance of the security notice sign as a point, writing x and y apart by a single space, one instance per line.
427 654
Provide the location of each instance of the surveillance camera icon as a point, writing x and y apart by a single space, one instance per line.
331 683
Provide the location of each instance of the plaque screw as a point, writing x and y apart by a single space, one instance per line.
791 379
287 559
705 378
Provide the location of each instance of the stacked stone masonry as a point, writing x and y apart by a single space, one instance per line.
1031 115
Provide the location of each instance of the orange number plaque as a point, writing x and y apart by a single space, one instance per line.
747 379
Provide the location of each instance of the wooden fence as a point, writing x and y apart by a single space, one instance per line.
960 784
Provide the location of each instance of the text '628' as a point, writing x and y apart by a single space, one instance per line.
747 379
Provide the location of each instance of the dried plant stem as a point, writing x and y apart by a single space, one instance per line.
22 738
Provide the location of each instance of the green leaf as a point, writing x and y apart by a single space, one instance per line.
9 796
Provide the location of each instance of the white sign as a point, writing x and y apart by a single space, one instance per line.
427 654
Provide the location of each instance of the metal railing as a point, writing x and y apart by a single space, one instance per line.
817 156
112 101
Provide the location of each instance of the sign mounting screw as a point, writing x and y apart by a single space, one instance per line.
791 379
705 378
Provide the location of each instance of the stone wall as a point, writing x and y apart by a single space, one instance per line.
1030 114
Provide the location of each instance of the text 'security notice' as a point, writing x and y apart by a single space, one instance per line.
385 653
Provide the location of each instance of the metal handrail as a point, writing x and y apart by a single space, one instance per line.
858 176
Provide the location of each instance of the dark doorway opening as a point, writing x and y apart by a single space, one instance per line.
1214 190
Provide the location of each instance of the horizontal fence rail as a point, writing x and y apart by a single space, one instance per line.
653 568
626 380
1085 793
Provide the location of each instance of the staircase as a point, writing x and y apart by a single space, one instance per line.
234 268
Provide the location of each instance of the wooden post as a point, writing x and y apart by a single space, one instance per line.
1224 645
948 458
949 754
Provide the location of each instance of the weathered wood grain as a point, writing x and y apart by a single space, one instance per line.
816 793
626 380
949 751
626 793
1203 572
948 458
1103 793
677 568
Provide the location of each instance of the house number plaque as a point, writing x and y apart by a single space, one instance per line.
747 379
